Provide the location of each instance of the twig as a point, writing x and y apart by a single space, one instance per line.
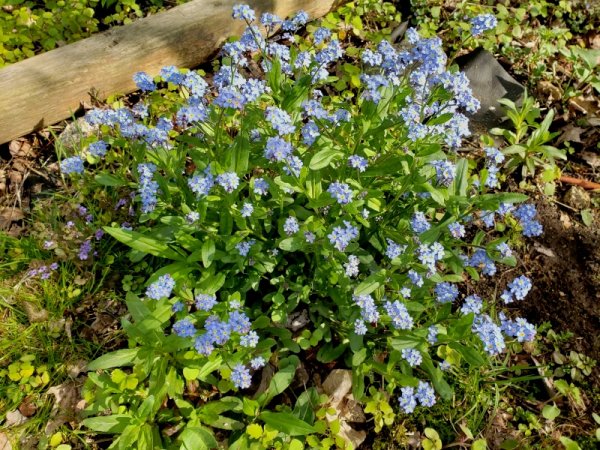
578 182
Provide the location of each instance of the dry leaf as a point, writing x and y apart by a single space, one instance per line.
592 158
34 313
551 91
585 105
14 418
67 405
544 250
20 147
27 407
5 442
571 133
10 215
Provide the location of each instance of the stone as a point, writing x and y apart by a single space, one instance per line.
75 132
489 83
577 198
337 384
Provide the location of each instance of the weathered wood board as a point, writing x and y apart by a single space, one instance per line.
48 88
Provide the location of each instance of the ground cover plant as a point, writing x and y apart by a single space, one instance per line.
31 27
264 197
299 211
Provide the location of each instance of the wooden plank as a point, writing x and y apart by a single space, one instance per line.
48 88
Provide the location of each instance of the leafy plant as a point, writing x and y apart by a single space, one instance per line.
285 221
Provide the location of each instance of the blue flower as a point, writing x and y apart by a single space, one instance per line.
249 340
204 345
340 237
415 278
321 34
244 247
144 81
277 149
432 333
519 328
201 185
291 226
472 304
360 327
239 322
217 330
419 223
504 249
482 23
493 155
98 149
425 394
457 231
310 132
394 250
371 58
280 120
148 188
368 310
351 267
445 172
480 260
490 334
407 401
247 209
517 288
74 164
412 356
229 181
341 192
161 288
310 237
171 74
240 376
261 187
401 319
488 218
192 217
446 292
358 162
269 20
184 328
257 362
205 302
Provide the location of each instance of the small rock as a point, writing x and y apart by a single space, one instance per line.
75 132
351 435
577 198
337 385
489 83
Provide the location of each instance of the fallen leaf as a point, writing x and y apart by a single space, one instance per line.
5 442
34 313
20 147
592 158
10 215
544 250
14 418
67 405
27 407
551 91
585 105
571 133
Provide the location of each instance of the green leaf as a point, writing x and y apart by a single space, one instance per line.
460 183
479 444
550 412
143 243
119 358
291 244
371 283
329 353
569 444
471 356
208 252
286 423
106 179
280 381
113 424
323 158
587 217
197 438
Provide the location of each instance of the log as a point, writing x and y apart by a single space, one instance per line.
50 87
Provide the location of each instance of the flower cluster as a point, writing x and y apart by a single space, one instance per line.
424 394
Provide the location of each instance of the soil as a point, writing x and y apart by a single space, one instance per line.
565 268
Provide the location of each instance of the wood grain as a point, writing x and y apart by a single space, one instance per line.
50 87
